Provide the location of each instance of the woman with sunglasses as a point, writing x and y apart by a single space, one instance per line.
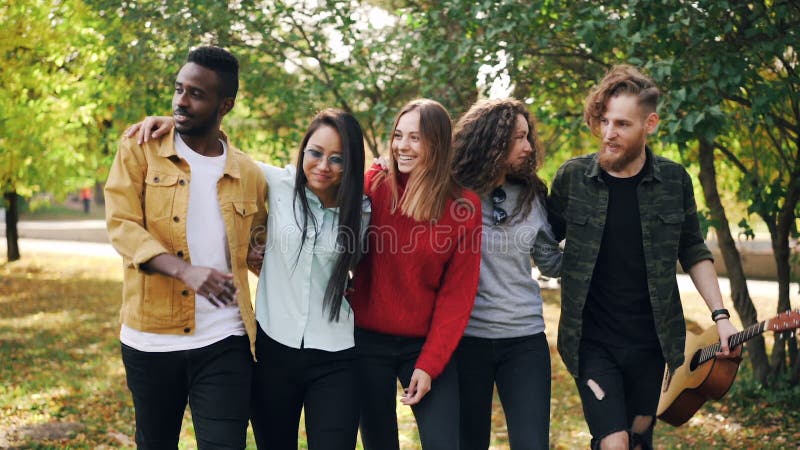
496 155
415 287
314 234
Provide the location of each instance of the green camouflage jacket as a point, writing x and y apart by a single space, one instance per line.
577 208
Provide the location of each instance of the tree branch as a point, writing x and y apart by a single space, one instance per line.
732 158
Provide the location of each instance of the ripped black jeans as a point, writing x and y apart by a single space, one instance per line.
618 384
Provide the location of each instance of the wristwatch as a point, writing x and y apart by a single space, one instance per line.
721 313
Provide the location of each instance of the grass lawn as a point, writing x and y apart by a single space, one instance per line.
63 384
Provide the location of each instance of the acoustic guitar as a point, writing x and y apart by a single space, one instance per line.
703 376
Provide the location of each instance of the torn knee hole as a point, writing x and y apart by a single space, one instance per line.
598 392
641 424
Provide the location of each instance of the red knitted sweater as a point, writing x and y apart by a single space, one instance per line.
419 278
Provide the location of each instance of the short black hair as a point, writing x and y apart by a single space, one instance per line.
223 63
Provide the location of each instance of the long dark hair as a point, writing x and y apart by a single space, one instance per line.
481 142
348 198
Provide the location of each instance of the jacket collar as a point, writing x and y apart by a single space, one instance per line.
232 169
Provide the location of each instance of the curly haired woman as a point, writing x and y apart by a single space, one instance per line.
496 155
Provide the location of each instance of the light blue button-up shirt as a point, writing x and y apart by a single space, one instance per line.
291 286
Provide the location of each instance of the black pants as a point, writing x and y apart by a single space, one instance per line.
382 360
616 385
216 381
521 369
286 380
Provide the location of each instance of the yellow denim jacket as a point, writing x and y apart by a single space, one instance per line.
147 197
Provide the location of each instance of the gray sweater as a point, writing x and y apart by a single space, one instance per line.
509 300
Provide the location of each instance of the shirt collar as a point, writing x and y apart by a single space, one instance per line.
316 203
232 168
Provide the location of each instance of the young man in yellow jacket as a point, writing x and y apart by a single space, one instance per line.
182 211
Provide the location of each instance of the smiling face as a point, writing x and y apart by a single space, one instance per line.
197 106
407 146
623 128
519 146
323 164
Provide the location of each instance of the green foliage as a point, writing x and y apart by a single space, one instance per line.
53 101
706 221
745 230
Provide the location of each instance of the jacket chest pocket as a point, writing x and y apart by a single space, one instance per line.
577 220
667 233
159 201
242 213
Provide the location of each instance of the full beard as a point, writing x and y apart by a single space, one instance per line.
617 162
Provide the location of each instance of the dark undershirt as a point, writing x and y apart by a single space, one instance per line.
618 310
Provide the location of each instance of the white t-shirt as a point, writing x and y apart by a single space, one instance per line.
208 247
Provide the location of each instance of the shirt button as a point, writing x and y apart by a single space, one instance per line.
185 292
187 329
176 219
180 253
182 182
155 180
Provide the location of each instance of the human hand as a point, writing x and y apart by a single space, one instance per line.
383 162
419 385
216 286
150 127
255 259
726 329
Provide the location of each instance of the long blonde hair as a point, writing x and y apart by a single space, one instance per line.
432 183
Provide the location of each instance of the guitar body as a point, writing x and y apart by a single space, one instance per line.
692 384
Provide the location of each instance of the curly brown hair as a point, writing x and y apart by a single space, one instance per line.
481 143
622 79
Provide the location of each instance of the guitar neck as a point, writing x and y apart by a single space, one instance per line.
735 340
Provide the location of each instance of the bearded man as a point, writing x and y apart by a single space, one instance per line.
627 216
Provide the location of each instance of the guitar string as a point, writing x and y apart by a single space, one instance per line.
711 351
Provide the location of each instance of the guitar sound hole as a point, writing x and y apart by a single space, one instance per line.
695 361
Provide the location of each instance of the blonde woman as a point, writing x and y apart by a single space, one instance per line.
415 287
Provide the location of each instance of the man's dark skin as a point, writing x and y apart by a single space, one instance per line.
198 108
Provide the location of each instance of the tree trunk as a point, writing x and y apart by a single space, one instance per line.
785 346
733 263
12 216
99 195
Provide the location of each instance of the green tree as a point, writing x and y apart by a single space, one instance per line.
729 70
50 104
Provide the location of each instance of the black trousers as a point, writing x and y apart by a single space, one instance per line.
287 380
214 379
616 385
520 367
382 360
